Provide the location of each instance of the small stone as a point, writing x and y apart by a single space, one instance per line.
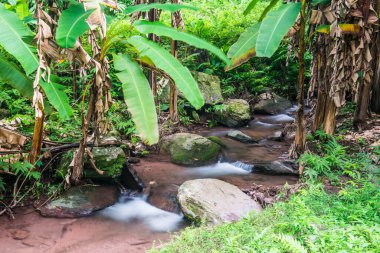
240 136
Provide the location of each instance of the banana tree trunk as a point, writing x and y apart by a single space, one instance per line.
173 106
152 76
375 100
300 121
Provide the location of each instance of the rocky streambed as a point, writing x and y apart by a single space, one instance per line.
236 157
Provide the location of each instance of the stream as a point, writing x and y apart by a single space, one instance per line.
134 223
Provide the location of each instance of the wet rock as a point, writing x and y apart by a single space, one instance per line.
271 103
234 113
210 87
214 201
111 160
133 160
80 201
276 167
190 149
276 136
217 140
240 136
164 197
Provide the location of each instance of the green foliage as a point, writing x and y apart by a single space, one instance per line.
159 6
12 75
161 30
333 161
274 27
250 6
71 25
245 47
58 98
165 61
311 221
13 34
138 97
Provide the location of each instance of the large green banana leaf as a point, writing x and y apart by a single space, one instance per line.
72 24
164 7
274 27
138 97
15 77
245 47
165 61
58 98
160 29
12 75
12 33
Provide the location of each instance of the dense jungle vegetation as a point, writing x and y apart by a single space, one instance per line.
81 75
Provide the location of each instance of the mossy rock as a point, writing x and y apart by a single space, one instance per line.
209 85
111 160
80 201
190 149
234 113
271 103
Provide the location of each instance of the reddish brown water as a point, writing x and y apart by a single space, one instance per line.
132 226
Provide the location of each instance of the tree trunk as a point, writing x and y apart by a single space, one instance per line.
375 99
37 137
300 121
152 76
173 106
361 110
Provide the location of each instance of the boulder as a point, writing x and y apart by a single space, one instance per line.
240 136
276 167
111 160
190 149
210 87
271 103
80 201
234 113
214 201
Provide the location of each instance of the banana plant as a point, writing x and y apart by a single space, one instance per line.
263 38
12 39
136 90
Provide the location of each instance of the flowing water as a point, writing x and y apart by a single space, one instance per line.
132 224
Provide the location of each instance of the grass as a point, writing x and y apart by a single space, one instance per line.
312 220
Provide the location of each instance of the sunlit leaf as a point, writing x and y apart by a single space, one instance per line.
138 97
165 61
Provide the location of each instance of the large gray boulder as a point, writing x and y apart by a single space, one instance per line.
271 103
190 149
210 87
234 113
214 201
80 201
111 160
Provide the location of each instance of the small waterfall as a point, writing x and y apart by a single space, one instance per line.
136 209
221 169
244 166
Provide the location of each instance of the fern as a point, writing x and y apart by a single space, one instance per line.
291 244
